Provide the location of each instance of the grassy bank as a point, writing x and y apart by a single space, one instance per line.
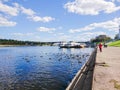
115 43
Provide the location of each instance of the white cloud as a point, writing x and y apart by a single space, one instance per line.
35 18
45 29
118 0
89 27
22 34
110 25
5 23
91 7
87 36
93 33
60 33
13 11
64 37
47 19
26 11
4 0
41 19
16 8
32 15
1 37
60 27
112 0
115 0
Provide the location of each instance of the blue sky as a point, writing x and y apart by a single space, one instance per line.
58 20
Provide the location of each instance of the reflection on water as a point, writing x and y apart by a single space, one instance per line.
39 68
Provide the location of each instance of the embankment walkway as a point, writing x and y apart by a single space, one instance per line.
107 69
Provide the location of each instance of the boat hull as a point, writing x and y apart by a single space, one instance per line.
71 46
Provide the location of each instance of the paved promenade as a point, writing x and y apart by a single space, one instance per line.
107 69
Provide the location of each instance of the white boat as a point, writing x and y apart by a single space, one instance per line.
70 45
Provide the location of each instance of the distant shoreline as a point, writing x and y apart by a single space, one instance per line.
10 45
20 45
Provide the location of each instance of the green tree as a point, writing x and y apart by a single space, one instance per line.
101 38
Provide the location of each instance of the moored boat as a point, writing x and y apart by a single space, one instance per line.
71 45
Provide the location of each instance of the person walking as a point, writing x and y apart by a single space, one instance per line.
100 47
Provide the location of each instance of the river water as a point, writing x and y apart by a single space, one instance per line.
39 67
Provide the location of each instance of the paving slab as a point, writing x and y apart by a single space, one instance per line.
107 69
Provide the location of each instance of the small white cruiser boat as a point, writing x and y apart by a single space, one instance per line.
71 45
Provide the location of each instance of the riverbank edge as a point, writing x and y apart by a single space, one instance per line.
83 78
20 45
10 45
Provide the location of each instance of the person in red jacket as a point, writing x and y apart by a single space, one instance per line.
100 47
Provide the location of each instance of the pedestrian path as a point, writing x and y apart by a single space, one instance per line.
107 69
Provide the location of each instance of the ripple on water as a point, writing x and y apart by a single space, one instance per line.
39 68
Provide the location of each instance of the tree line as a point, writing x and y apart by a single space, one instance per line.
101 38
18 42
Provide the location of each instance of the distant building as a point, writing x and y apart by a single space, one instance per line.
119 33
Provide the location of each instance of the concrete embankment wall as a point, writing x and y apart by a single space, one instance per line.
83 79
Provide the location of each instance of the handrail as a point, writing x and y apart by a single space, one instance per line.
79 77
